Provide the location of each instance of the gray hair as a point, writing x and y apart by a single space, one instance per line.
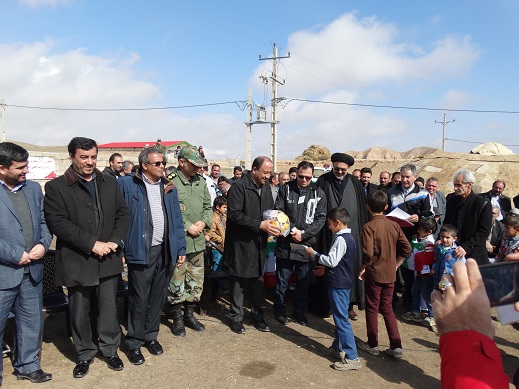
467 176
144 156
408 166
432 179
127 165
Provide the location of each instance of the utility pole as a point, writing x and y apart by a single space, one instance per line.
273 116
2 120
444 125
248 135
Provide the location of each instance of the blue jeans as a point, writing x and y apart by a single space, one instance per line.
423 287
344 339
217 259
27 299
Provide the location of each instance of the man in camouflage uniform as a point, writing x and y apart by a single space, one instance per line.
185 287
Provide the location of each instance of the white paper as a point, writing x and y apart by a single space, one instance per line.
400 217
507 314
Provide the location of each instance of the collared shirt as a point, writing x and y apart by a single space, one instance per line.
157 213
16 188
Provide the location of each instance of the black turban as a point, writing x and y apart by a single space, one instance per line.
341 157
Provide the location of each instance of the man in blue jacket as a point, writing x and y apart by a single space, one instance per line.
155 242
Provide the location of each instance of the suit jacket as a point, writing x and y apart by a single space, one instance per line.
12 242
504 202
442 208
371 188
473 219
71 216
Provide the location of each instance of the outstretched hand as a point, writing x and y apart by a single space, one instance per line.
464 305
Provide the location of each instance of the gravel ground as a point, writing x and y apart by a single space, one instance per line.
287 357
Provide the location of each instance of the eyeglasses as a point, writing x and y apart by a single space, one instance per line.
306 178
157 164
339 169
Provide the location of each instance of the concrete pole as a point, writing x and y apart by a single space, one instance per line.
248 135
273 124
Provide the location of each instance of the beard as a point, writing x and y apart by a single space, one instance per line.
340 178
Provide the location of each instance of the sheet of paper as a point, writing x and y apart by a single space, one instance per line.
400 217
507 314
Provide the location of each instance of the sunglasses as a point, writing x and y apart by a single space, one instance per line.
157 164
307 178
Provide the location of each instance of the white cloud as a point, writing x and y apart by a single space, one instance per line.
456 99
43 3
351 60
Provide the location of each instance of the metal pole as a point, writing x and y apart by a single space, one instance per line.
248 134
273 125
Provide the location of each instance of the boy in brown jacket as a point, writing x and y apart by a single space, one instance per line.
384 249
216 235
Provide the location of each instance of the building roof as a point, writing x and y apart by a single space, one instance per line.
139 145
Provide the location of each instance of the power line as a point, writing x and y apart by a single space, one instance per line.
242 104
468 141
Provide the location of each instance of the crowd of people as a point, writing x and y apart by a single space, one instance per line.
163 222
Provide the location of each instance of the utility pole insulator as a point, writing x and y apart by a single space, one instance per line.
444 122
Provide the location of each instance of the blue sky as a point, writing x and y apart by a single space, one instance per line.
137 54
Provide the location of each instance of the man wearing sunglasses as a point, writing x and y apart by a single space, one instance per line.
155 243
186 284
305 204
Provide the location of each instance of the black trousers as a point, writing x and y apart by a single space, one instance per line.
254 287
108 330
283 272
147 286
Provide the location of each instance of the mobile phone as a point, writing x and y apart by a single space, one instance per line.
501 282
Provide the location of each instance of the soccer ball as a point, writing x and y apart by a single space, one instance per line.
280 218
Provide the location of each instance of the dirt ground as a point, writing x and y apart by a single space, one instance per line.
287 357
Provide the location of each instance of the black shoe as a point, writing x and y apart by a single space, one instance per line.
237 327
178 328
135 356
114 362
154 347
301 319
35 377
282 319
260 325
81 369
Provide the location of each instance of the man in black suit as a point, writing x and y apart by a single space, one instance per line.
86 211
365 178
497 198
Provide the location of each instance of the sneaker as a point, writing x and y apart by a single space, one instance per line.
347 364
412 316
430 323
364 346
331 352
395 352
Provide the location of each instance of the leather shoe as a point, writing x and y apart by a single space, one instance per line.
114 362
353 315
301 319
135 356
237 327
35 377
154 347
81 369
261 326
282 319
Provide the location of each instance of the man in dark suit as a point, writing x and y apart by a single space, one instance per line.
365 180
246 242
438 203
471 215
87 212
497 198
24 239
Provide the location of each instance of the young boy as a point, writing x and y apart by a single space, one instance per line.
509 249
340 273
384 249
423 283
216 234
444 253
